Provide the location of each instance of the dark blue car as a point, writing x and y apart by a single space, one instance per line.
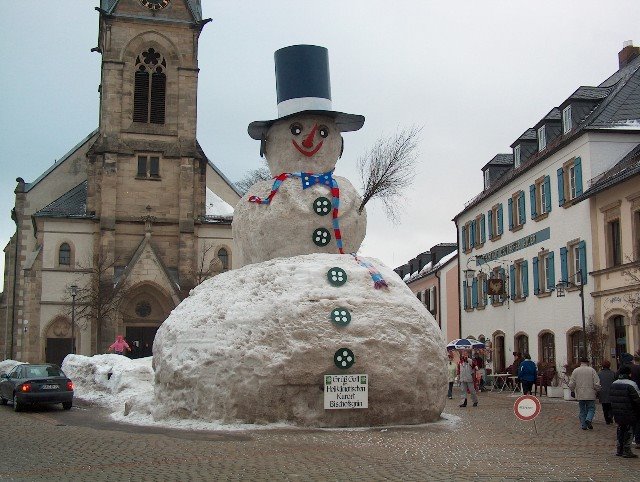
28 384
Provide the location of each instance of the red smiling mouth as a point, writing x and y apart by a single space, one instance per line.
307 153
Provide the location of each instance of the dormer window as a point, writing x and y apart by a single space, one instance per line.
516 156
542 139
486 179
566 120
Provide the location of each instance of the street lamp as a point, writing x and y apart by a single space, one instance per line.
560 292
74 292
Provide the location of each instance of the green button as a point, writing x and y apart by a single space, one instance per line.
321 237
341 316
337 276
322 206
344 358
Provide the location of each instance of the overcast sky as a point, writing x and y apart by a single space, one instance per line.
474 74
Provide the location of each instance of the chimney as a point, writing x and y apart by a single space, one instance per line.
627 54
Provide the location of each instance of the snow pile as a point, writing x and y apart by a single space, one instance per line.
216 206
252 346
7 365
109 380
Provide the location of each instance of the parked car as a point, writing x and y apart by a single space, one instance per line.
28 384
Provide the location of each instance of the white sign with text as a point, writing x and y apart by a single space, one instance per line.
346 391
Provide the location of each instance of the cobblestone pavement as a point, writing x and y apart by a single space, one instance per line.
476 443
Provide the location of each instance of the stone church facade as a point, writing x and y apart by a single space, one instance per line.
118 231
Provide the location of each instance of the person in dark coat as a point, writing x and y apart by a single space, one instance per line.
624 396
635 377
607 377
527 373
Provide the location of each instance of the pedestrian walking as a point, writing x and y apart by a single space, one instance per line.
625 403
607 377
466 376
635 377
527 373
452 371
585 383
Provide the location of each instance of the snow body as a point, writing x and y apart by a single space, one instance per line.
252 345
285 227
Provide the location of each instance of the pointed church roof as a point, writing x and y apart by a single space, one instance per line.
170 277
194 7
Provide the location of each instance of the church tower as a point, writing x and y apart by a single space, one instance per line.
146 172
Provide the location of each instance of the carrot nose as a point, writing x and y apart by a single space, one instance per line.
308 141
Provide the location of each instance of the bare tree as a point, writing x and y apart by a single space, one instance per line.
388 168
98 296
596 342
207 268
253 176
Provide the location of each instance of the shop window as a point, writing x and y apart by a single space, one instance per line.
522 344
547 348
576 346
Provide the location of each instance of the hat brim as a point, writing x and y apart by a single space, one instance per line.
345 122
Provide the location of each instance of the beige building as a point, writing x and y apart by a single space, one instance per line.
433 277
614 203
135 215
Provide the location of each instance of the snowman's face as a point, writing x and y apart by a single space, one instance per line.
306 143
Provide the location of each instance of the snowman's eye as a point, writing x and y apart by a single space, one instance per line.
323 131
296 129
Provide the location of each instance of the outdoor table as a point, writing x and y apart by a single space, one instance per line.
497 377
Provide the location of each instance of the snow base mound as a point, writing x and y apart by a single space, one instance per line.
252 346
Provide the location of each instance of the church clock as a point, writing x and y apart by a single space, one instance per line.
154 4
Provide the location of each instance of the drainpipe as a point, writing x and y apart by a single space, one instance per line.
439 300
459 278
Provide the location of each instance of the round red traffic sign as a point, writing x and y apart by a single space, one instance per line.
527 407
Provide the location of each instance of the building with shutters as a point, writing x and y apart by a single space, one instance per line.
614 200
433 277
133 216
526 230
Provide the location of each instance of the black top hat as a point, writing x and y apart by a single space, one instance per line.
303 85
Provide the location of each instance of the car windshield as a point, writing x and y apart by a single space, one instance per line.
40 371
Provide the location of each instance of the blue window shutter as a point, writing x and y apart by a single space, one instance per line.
582 249
536 281
472 234
500 230
464 238
510 213
464 294
547 193
532 198
486 293
490 217
578 170
564 272
525 278
512 281
474 292
483 232
551 278
560 187
521 209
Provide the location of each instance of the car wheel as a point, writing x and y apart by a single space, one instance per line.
67 405
17 406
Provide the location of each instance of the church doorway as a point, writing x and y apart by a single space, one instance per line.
140 339
57 349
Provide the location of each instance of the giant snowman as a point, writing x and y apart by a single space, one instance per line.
253 345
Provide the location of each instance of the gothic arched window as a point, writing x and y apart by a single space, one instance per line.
150 87
64 254
223 256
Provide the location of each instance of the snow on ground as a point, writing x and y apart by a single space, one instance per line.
134 378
